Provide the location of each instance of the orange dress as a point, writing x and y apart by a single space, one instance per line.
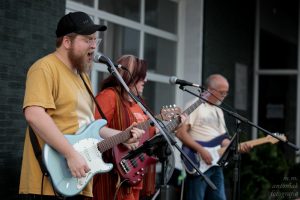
120 115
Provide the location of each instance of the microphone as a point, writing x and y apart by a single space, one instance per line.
175 80
99 58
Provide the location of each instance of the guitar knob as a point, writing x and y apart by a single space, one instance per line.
139 180
142 169
137 173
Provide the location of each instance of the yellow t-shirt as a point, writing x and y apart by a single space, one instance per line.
52 85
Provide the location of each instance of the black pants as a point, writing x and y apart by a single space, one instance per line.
45 197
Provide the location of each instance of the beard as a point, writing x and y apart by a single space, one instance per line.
78 62
218 103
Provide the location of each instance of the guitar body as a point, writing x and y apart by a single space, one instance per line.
132 170
211 146
203 167
85 141
215 150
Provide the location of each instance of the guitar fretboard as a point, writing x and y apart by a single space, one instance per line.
258 141
109 142
174 122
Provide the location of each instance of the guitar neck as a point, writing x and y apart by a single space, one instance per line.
109 142
252 143
171 126
257 142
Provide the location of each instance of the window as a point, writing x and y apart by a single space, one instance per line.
129 9
161 14
146 29
160 55
276 85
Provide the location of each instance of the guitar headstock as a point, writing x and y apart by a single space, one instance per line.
170 112
274 140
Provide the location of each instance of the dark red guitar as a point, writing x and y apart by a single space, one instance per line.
133 170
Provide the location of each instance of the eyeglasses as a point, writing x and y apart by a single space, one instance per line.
87 39
93 41
222 93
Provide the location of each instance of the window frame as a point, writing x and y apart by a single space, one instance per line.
140 26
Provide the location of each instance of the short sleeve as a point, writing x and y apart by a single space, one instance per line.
39 87
107 102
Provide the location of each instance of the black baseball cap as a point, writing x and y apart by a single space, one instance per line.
77 22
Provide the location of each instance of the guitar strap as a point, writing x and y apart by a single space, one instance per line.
91 94
37 151
38 154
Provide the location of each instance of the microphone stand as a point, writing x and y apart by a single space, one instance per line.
171 142
234 144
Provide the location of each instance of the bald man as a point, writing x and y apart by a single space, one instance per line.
206 127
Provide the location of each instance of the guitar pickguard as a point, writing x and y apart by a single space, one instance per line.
86 144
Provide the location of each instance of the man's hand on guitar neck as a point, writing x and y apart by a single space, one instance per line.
243 147
183 117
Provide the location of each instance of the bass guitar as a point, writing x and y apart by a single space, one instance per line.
89 144
130 169
216 151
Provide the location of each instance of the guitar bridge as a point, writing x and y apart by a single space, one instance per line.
124 166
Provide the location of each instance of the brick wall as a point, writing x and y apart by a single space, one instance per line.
27 32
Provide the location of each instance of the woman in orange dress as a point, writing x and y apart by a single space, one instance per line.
121 111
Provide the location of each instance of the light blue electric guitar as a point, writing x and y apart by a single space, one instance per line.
89 144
